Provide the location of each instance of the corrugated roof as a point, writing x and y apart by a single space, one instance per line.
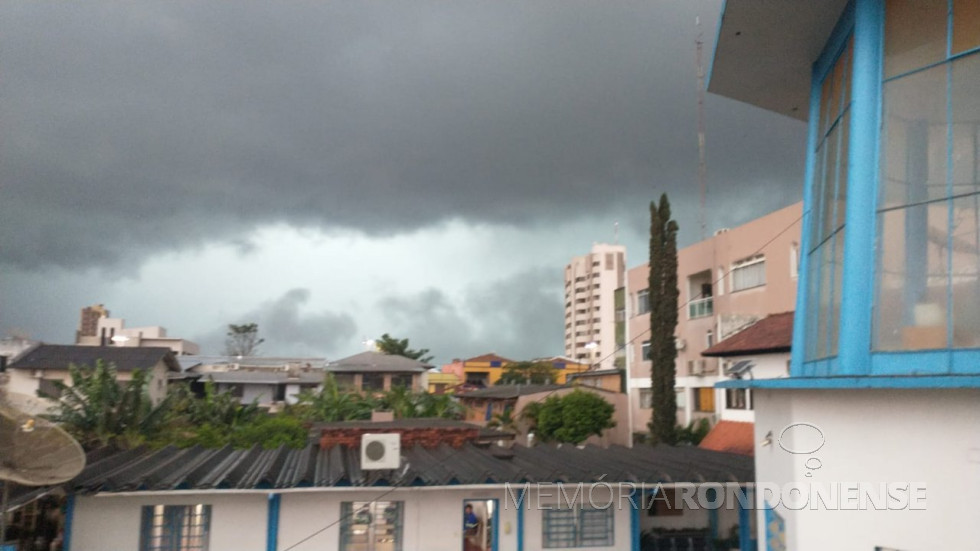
731 437
416 423
770 335
372 361
226 468
255 361
59 356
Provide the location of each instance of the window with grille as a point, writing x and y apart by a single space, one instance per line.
580 526
175 528
749 273
371 526
642 302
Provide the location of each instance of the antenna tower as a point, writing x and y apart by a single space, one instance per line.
699 42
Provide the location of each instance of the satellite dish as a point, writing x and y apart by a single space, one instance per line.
36 452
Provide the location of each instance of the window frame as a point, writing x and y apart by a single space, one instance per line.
575 518
745 264
172 519
350 510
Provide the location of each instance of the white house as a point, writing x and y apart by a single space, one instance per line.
327 498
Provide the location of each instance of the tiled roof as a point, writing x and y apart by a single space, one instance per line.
489 357
59 356
507 391
172 468
377 362
731 437
769 335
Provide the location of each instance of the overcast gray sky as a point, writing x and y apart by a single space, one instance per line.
336 170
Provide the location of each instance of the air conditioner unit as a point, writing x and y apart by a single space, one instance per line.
697 368
380 451
681 344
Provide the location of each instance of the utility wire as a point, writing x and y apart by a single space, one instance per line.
549 393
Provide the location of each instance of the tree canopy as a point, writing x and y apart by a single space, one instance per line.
571 418
242 340
399 347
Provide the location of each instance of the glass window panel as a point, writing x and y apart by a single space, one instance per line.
838 271
836 89
848 68
826 95
829 189
841 203
915 144
915 34
966 272
913 285
823 304
966 25
965 109
818 191
812 320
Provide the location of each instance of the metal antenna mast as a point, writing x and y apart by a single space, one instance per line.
699 42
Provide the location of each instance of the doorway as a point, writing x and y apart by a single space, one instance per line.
480 525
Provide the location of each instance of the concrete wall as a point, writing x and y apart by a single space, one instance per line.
716 255
22 381
111 523
872 437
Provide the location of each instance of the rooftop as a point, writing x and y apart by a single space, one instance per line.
772 334
489 357
263 377
731 437
252 361
378 362
196 468
59 356
508 391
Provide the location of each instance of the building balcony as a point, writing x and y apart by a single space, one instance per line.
701 308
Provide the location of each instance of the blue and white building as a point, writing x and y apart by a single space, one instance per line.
878 425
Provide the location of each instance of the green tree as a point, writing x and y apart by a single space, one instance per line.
98 409
504 421
330 403
399 347
242 340
573 417
522 373
663 296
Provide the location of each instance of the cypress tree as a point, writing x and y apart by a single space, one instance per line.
663 296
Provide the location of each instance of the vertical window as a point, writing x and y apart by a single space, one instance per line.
645 351
749 273
646 398
736 398
371 526
372 381
829 203
642 301
175 528
928 257
403 380
579 526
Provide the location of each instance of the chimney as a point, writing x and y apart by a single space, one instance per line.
380 416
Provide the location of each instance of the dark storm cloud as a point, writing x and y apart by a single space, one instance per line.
287 330
518 316
134 128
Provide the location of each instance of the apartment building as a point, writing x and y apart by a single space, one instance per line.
727 282
591 306
96 328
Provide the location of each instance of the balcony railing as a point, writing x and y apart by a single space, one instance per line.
701 307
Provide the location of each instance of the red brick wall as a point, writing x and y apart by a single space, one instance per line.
426 437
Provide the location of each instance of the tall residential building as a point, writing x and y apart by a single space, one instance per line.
96 328
591 284
727 283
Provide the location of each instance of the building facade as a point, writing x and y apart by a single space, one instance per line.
727 282
96 328
877 422
591 282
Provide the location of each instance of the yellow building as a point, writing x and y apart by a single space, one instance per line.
441 383
486 370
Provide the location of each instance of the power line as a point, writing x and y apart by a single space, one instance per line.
549 393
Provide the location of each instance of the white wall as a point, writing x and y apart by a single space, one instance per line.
878 436
112 523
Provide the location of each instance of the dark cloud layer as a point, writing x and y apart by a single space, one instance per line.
288 330
135 128
518 316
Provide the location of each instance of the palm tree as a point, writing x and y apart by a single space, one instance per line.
504 421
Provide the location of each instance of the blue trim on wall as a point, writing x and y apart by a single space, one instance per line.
745 524
520 520
635 519
844 383
272 527
69 519
714 49
862 192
